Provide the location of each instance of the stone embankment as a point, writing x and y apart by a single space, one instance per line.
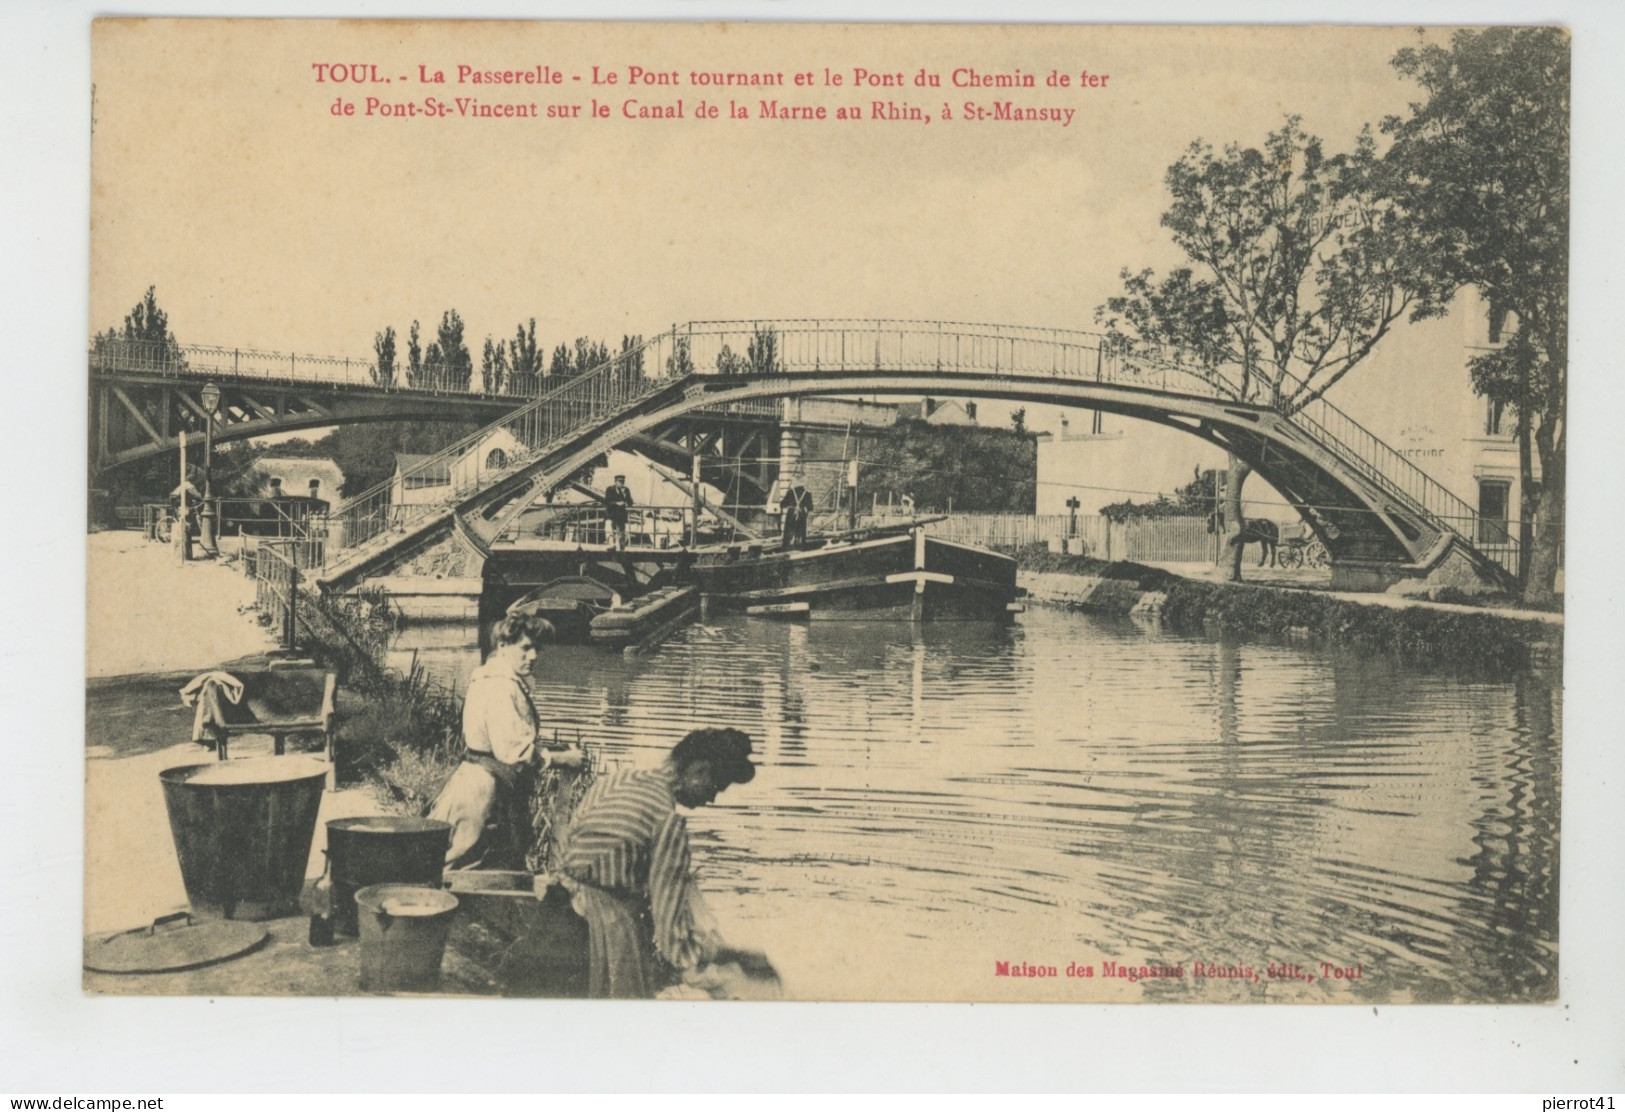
1101 594
1441 632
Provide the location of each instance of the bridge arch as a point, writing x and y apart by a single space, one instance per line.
1373 509
1357 522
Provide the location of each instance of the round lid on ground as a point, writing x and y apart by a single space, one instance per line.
163 948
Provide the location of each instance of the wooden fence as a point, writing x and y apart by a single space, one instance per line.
1166 539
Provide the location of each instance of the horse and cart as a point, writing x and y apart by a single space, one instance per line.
1288 546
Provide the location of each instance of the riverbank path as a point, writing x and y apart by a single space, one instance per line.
148 612
152 623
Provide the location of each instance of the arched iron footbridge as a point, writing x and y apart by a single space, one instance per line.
1379 515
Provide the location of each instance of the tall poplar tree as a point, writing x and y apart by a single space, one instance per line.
145 337
383 346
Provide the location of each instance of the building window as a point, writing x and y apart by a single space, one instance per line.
1498 321
496 460
1493 412
1494 500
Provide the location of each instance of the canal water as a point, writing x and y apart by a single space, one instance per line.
1123 813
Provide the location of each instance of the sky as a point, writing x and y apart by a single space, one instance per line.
221 177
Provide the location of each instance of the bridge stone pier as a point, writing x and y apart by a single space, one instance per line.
439 577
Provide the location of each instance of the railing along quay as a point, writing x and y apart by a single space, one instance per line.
276 565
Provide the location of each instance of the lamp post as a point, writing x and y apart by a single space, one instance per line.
206 522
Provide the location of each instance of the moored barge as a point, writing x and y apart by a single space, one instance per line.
882 575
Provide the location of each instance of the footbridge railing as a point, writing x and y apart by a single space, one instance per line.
373 519
1409 485
449 478
949 347
168 360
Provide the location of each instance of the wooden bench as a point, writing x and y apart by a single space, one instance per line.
283 701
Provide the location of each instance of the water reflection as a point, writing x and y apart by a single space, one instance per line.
934 798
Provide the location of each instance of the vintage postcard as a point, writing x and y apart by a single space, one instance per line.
826 512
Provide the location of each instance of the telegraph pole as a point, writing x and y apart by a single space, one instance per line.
183 537
694 490
852 491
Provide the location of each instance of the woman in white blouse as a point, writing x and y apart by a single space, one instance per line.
486 799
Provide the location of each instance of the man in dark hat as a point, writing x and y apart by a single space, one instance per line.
617 500
626 859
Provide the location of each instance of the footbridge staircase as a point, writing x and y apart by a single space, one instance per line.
1381 517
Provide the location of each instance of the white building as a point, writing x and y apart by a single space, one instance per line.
418 482
290 476
1414 393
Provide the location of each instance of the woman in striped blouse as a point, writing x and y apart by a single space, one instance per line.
626 859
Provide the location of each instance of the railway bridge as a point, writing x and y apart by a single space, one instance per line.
146 398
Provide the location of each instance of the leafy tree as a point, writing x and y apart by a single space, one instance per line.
145 337
730 364
680 362
1483 166
1130 510
525 360
383 345
434 367
414 358
589 355
447 364
1195 499
459 362
629 362
1302 262
969 469
235 471
562 366
365 453
1018 420
762 353
493 366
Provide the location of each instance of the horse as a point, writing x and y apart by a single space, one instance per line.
1263 532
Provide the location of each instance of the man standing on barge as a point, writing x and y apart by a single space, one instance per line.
797 505
617 500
